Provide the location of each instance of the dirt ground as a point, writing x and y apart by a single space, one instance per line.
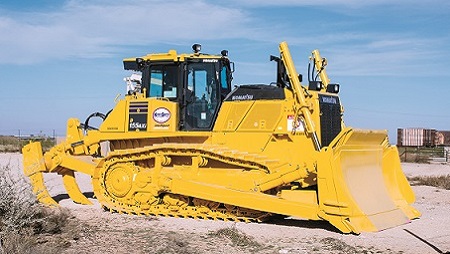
104 232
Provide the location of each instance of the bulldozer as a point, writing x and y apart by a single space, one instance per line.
183 142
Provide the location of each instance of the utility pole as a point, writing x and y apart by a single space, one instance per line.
18 140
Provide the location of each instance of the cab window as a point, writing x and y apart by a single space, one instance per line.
163 81
224 78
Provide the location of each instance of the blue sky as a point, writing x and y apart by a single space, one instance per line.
62 59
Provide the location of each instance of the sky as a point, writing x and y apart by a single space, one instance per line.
63 59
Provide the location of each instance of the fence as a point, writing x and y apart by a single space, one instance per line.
424 154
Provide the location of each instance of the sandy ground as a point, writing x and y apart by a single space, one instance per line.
105 232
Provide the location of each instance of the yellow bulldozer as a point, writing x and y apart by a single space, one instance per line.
184 143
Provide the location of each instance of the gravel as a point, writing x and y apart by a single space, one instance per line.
116 233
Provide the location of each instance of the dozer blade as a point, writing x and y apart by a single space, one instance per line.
361 184
33 167
72 188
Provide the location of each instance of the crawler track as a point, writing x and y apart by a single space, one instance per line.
127 181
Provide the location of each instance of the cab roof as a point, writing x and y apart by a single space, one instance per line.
171 56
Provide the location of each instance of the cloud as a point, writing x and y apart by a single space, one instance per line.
343 3
388 55
100 28
95 28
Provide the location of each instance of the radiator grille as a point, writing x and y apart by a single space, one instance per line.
330 118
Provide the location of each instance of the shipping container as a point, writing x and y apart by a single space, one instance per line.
429 137
417 137
443 138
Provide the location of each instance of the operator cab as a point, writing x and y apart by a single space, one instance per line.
197 82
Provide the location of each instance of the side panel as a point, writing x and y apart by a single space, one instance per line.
115 122
231 115
248 116
142 115
263 116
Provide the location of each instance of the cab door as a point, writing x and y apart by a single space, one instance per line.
202 96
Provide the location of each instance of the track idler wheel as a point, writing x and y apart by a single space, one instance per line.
124 187
119 180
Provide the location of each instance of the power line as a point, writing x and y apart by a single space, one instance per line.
396 113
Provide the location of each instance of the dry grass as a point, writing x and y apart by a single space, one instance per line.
334 245
442 181
238 239
24 222
11 144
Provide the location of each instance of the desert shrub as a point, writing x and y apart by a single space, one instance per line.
415 158
421 158
11 144
237 238
442 181
333 245
47 143
22 218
